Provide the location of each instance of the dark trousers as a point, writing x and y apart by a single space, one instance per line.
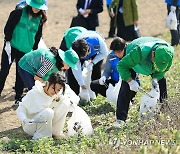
5 67
125 95
125 32
101 89
112 27
175 33
96 74
28 79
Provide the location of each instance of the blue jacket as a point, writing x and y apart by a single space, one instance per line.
173 2
110 67
108 2
94 47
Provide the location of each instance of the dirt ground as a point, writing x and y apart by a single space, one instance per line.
152 16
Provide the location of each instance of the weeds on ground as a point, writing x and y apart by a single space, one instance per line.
158 135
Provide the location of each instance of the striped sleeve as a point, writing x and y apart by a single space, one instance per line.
47 65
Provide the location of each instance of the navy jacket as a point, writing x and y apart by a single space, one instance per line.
96 7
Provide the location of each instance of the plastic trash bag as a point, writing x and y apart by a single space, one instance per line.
113 91
171 21
149 106
41 44
79 123
87 81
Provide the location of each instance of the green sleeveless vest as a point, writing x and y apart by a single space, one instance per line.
31 62
23 37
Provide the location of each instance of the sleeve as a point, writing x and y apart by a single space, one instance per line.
158 75
103 51
135 10
21 113
129 61
99 7
11 23
38 36
78 5
107 68
78 74
47 65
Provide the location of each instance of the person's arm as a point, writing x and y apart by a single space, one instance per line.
78 75
98 8
108 68
11 23
47 65
21 113
128 62
135 10
38 36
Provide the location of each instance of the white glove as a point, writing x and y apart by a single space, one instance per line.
155 84
134 86
8 51
102 80
28 121
173 8
85 95
90 66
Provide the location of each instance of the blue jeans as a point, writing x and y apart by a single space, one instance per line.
27 78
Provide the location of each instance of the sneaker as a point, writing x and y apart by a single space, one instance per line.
119 123
17 101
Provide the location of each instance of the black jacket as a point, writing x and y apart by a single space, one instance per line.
96 7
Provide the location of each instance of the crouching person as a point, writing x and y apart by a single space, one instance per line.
35 112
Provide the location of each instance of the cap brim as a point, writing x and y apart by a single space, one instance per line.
63 57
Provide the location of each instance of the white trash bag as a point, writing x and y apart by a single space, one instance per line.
79 123
41 44
113 91
149 106
87 81
171 21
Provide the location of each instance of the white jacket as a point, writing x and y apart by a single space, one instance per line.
34 102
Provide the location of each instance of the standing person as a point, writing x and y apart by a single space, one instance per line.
89 9
110 74
89 45
174 5
23 31
126 18
35 112
112 28
40 63
147 56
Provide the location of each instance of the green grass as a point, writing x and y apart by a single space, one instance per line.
161 135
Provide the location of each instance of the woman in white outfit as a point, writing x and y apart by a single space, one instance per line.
35 112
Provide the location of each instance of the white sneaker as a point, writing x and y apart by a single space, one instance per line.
119 123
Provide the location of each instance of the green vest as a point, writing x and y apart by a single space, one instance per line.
23 37
31 62
71 34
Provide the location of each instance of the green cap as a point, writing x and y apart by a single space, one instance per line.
70 57
163 57
38 4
